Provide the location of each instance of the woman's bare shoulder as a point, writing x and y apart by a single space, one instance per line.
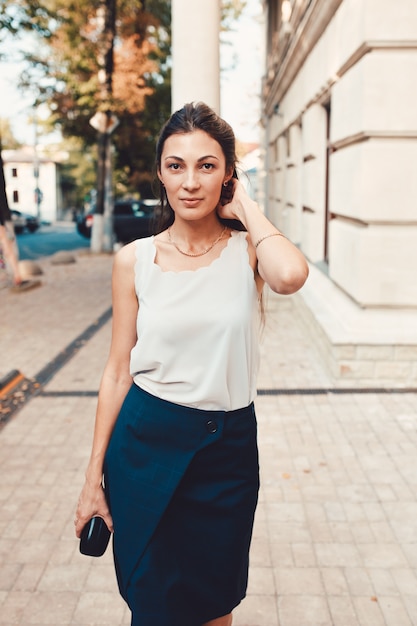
126 256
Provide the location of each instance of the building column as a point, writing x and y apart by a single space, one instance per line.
195 53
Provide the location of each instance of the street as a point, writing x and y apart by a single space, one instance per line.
334 540
50 239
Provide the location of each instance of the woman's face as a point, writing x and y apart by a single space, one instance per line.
193 170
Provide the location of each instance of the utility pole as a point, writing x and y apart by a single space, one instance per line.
104 122
36 169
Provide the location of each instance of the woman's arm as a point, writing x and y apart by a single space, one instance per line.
279 263
115 383
9 250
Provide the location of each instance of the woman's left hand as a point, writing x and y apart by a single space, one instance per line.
277 261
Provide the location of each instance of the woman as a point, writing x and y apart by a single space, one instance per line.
178 446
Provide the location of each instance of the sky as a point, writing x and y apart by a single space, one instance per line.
13 105
242 65
242 68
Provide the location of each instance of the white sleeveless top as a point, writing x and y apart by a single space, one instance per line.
197 330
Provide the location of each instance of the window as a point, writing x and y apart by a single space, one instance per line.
16 197
14 172
123 208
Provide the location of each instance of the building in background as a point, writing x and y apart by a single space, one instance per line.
250 167
28 174
340 121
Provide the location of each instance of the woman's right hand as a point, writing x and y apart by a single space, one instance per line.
91 503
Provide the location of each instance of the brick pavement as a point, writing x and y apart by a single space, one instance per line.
335 539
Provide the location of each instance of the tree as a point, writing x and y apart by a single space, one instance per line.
64 72
5 215
78 174
26 15
67 71
67 74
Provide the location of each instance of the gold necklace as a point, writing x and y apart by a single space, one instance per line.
211 246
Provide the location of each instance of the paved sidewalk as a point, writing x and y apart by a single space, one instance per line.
335 539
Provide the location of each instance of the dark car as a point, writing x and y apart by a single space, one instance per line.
24 221
84 224
132 219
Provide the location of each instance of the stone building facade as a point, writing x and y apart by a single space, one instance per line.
340 124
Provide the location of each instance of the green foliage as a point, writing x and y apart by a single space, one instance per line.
78 173
64 73
27 15
230 12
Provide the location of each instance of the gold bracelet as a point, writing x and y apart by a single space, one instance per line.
266 237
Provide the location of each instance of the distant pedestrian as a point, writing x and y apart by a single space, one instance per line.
8 246
9 253
175 432
10 258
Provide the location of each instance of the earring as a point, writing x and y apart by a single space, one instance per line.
226 182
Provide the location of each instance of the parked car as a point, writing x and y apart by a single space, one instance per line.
132 219
24 221
84 224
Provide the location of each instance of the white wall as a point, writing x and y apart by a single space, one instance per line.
365 63
24 184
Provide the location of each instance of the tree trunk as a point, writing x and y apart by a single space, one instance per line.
106 61
5 215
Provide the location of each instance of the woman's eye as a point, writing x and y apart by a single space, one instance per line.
173 166
208 166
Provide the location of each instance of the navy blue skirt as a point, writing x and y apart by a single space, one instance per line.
182 486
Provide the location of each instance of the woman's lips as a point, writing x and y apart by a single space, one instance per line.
191 202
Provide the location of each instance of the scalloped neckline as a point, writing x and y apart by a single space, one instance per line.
233 233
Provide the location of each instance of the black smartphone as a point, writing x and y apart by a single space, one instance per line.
95 537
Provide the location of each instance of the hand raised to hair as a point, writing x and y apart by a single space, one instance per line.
233 201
